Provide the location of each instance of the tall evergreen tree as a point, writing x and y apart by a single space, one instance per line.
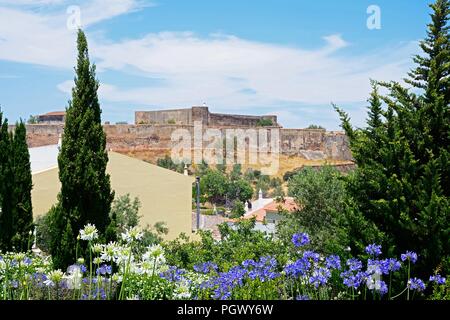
22 185
401 183
86 194
16 218
5 198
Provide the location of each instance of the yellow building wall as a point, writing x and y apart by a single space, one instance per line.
165 196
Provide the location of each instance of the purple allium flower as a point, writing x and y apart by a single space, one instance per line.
298 268
311 255
409 255
320 277
300 239
264 269
206 267
438 279
354 264
224 283
373 249
14 284
416 284
353 281
248 263
383 288
375 267
174 274
108 269
390 265
302 297
27 261
101 270
83 268
333 262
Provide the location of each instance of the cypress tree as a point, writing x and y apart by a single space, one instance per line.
86 194
401 183
6 225
16 218
22 185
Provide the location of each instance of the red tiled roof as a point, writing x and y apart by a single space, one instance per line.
260 214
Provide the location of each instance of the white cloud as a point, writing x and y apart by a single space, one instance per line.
206 68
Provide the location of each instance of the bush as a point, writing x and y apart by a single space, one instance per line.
238 209
321 196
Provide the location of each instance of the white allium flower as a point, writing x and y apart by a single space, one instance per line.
74 277
54 277
153 252
110 251
19 256
97 260
122 255
132 234
97 248
89 232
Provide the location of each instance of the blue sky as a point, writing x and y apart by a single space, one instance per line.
286 57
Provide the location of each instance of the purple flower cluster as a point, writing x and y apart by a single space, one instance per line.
373 250
391 265
311 255
354 264
354 280
298 268
438 279
173 274
409 255
225 282
416 284
320 277
39 278
27 261
302 297
333 262
104 269
300 239
383 266
206 267
263 270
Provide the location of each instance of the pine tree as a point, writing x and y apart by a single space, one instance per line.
22 185
401 183
86 194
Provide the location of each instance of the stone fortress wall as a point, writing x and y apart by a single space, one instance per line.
311 144
199 114
153 132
